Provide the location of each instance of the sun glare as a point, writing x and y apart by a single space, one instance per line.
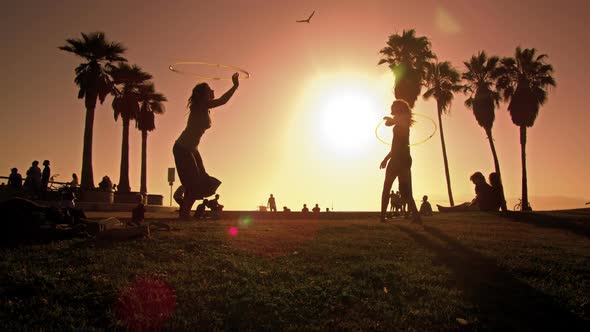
346 109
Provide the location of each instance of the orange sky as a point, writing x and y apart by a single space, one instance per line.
274 136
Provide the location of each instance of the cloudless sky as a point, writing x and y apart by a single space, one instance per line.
302 126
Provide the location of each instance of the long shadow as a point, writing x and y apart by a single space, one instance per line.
503 302
577 224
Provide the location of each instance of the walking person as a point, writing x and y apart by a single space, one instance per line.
272 205
191 170
398 161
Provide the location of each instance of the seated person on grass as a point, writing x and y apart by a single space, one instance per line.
485 197
138 212
425 208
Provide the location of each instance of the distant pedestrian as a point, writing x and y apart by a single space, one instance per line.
15 180
425 207
305 209
272 205
45 176
33 179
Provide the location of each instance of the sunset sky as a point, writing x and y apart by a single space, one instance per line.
302 127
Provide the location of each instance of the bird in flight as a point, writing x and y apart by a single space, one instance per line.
308 19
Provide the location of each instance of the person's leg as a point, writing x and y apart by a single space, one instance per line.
405 184
186 165
390 176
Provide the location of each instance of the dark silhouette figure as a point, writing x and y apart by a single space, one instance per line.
191 170
214 204
305 209
74 184
179 195
498 189
316 209
200 211
45 176
398 161
15 180
33 179
105 184
138 212
286 209
307 20
486 198
272 205
425 207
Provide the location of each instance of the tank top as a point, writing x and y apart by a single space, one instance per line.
198 121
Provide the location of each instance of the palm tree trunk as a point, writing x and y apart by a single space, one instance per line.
496 166
444 151
87 176
525 194
123 185
143 189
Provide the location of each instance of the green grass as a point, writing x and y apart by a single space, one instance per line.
459 272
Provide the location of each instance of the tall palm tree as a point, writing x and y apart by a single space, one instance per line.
151 103
127 80
407 56
483 97
94 83
523 81
442 81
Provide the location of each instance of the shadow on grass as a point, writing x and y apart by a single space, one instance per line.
502 301
578 224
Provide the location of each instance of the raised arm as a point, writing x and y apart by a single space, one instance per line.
226 96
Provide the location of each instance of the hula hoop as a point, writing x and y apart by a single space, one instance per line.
413 144
218 65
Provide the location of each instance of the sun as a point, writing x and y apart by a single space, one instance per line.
347 117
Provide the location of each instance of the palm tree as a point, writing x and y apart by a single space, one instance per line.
407 56
442 80
126 105
483 98
523 81
151 103
94 83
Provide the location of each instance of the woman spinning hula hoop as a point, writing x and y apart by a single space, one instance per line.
398 161
191 171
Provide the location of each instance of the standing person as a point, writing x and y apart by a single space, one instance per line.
191 170
33 179
74 184
15 180
398 161
392 201
272 205
45 176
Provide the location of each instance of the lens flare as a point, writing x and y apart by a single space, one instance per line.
233 231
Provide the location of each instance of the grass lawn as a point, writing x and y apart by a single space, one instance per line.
469 271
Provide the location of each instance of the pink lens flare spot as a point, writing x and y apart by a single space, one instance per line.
233 231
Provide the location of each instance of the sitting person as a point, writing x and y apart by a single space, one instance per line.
485 198
214 204
425 208
498 190
305 209
200 211
105 184
138 212
286 209
316 209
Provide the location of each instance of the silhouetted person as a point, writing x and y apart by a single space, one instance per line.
191 170
214 204
15 180
398 161
138 212
485 197
114 189
200 211
74 183
105 184
305 209
179 195
327 210
45 176
286 209
316 209
498 189
272 205
425 207
33 179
